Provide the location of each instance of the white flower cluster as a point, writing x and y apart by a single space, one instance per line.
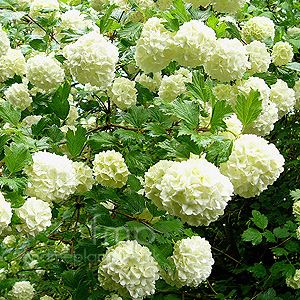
11 64
194 41
298 233
154 49
228 6
4 42
282 53
253 165
22 290
258 28
35 216
283 97
193 260
9 241
29 120
259 57
5 213
150 83
44 72
294 281
296 208
92 59
84 176
228 60
18 95
193 190
129 269
110 169
38 5
123 92
297 94
51 177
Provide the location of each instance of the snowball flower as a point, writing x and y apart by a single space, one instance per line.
228 6
9 241
282 53
155 47
18 95
123 93
283 97
234 127
28 121
38 5
84 175
11 64
298 233
253 165
35 216
92 59
5 213
22 290
294 281
4 42
227 61
296 208
297 94
150 83
61 248
258 28
226 92
259 57
51 177
193 260
194 41
110 169
195 191
129 269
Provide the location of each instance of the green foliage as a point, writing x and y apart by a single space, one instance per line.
75 141
9 114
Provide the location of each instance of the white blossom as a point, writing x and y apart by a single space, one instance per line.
84 175
38 5
282 53
9 241
297 94
5 213
4 42
150 83
18 95
22 290
296 208
294 281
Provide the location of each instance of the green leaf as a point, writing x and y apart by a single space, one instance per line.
295 194
18 185
105 22
220 111
281 233
156 130
59 101
175 149
100 194
141 233
154 210
129 137
10 114
172 23
197 88
75 141
138 162
169 228
258 270
219 151
111 235
133 202
248 109
136 116
252 235
38 44
134 183
101 140
6 3
269 235
3 140
39 127
267 77
233 31
295 66
144 95
270 294
259 220
17 156
54 133
188 111
131 30
180 12
279 251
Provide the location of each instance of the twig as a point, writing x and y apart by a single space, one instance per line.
226 255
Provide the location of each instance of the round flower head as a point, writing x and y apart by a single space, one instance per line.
227 61
38 5
9 241
35 216
226 92
297 94
195 191
22 290
110 169
4 42
282 53
152 183
129 269
228 6
296 208
123 93
259 57
18 95
258 28
5 213
44 72
84 175
92 59
194 41
150 83
154 49
193 260
51 177
294 281
11 64
283 97
253 165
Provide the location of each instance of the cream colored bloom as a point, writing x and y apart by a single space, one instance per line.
258 28
45 72
28 121
253 165
5 213
18 95
110 169
84 175
129 269
226 92
38 5
294 281
4 42
9 241
22 290
92 59
193 260
297 94
234 127
228 6
282 53
123 93
298 233
296 208
150 83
